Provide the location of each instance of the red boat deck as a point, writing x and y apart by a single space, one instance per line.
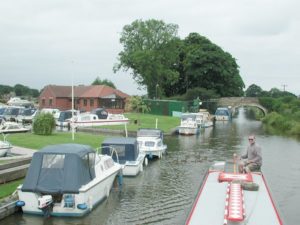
257 208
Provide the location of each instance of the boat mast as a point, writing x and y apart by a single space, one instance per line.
72 120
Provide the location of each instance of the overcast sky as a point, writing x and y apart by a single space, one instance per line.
51 41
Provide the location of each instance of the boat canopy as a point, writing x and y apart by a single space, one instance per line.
222 112
58 169
150 133
126 148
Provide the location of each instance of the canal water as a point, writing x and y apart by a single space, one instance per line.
164 192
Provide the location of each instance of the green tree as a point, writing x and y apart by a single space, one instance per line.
44 124
106 82
206 65
21 90
150 51
253 91
136 104
5 89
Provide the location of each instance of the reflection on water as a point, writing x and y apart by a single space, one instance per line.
164 192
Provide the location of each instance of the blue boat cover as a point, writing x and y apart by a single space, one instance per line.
58 169
126 148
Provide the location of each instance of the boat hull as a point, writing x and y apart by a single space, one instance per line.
188 130
90 194
210 203
133 168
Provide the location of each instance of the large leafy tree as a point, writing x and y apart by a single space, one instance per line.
150 52
206 65
253 91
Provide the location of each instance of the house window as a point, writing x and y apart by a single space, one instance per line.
91 102
77 101
85 102
113 103
50 102
43 102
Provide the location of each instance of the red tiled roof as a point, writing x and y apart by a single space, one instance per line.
91 91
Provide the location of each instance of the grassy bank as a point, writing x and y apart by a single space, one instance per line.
9 188
139 120
29 140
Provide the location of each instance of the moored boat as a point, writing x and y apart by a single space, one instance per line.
5 146
151 142
12 127
233 198
66 180
188 124
222 114
126 152
90 119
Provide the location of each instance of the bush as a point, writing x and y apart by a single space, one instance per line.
44 124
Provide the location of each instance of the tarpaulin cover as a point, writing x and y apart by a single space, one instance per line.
58 169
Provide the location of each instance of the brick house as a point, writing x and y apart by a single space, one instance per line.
86 98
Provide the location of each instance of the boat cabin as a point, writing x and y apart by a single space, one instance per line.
58 169
122 149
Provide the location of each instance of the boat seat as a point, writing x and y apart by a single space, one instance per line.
229 177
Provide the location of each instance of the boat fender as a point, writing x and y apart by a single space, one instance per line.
20 203
120 179
82 206
146 161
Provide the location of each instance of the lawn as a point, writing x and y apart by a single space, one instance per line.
29 140
9 188
139 120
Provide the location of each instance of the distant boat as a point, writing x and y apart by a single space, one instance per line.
90 119
126 152
203 118
16 101
222 114
233 198
66 180
12 127
188 124
151 142
5 146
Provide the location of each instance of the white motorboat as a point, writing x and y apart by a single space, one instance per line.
126 152
151 142
12 127
207 118
233 199
5 146
66 180
222 114
188 124
90 119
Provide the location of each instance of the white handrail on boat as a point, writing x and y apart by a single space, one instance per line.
112 151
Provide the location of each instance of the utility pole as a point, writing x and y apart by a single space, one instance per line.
284 85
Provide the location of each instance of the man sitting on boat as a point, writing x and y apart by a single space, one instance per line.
252 159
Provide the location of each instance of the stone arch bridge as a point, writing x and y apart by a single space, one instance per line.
236 102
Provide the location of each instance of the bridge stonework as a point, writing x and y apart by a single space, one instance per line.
236 102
